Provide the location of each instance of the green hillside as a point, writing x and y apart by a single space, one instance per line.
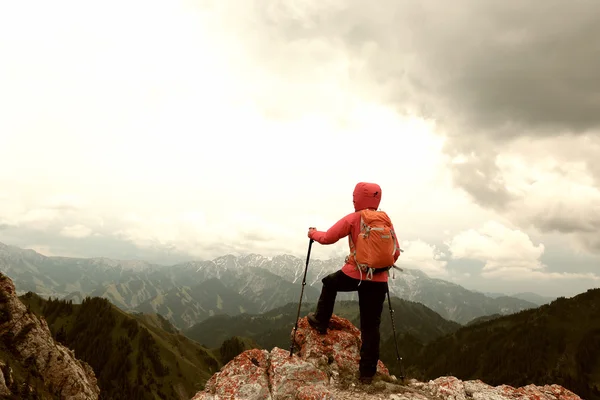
555 343
484 318
133 356
273 328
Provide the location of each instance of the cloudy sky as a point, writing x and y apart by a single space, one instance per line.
169 130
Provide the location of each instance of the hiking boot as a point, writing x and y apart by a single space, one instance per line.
312 321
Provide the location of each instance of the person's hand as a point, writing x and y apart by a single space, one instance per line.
311 231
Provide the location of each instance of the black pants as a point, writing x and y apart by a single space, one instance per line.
371 296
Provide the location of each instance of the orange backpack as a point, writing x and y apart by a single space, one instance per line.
376 243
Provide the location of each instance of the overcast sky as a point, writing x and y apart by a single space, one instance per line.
192 129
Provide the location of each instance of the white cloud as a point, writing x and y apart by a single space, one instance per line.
551 186
507 253
205 237
216 134
554 191
38 218
23 209
76 231
422 255
504 251
64 202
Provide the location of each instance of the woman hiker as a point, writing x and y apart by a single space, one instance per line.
371 283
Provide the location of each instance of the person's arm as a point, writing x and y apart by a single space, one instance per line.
340 229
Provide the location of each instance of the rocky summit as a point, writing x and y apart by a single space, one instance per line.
325 367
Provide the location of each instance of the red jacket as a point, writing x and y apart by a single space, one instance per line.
366 195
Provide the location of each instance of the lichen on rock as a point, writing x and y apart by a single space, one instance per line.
325 367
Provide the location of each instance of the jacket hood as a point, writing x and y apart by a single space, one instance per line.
366 195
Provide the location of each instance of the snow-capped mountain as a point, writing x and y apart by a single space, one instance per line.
264 283
451 301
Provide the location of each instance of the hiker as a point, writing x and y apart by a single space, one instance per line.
372 285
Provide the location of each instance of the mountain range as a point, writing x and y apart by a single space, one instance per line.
527 296
139 354
188 293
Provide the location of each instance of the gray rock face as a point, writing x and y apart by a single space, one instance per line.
30 343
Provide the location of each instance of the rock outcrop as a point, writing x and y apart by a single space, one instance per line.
325 367
27 343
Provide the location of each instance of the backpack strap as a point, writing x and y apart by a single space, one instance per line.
353 248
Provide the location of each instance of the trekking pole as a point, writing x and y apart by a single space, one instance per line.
301 294
394 331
